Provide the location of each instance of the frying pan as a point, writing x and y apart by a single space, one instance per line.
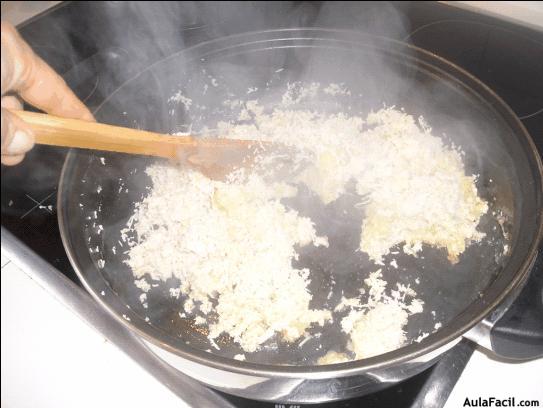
377 71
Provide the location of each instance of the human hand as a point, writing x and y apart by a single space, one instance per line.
27 76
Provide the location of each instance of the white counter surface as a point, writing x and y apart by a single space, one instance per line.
486 377
52 358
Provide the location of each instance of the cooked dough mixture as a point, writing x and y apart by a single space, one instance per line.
232 244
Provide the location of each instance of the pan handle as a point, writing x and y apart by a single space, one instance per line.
514 331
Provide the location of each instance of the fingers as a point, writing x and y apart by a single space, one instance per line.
25 73
17 138
12 160
11 102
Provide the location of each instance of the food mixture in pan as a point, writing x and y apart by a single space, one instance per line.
233 243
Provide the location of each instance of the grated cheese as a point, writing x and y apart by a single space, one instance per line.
413 187
333 357
142 284
233 242
377 326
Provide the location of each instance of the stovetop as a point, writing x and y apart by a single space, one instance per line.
506 57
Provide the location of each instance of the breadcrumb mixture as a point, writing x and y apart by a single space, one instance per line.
378 326
232 243
416 187
229 241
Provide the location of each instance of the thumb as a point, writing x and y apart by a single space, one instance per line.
17 138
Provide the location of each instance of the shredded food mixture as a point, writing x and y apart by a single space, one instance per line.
232 243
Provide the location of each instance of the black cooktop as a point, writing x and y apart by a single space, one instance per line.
79 41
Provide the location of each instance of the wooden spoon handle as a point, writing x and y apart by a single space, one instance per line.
56 131
215 157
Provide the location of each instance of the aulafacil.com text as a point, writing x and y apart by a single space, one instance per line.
499 402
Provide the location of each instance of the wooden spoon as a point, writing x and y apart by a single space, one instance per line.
213 157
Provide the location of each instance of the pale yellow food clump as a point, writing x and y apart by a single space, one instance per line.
418 189
229 241
415 187
377 326
377 330
333 357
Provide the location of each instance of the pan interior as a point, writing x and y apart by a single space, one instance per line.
101 189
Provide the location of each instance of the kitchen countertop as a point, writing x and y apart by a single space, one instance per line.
53 358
